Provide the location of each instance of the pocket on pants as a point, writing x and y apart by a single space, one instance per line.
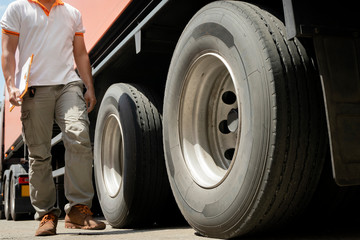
26 127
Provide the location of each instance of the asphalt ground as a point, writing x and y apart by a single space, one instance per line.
25 230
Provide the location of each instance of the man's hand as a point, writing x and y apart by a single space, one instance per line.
9 45
90 99
14 96
83 65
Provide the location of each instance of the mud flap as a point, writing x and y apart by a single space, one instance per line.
338 60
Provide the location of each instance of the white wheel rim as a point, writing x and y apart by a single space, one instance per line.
209 120
111 155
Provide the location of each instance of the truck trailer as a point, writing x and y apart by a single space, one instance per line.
228 107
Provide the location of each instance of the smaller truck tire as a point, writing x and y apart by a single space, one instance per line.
129 165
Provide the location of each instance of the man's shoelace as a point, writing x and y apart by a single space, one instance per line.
84 210
46 218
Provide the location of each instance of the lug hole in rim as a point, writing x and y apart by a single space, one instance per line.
228 97
233 120
229 154
223 127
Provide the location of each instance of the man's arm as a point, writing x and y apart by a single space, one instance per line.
83 65
9 45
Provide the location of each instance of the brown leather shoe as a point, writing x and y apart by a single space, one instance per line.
80 217
47 225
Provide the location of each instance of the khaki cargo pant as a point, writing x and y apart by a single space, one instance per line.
65 105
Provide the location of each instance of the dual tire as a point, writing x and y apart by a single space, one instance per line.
244 134
9 192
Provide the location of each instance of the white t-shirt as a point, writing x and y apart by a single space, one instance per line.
49 35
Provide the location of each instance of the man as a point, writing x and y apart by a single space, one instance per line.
53 31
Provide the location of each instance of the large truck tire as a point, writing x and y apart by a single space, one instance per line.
129 164
244 127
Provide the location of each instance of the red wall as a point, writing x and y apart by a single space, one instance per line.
98 16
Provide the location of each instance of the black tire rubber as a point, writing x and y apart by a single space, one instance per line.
128 116
233 179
